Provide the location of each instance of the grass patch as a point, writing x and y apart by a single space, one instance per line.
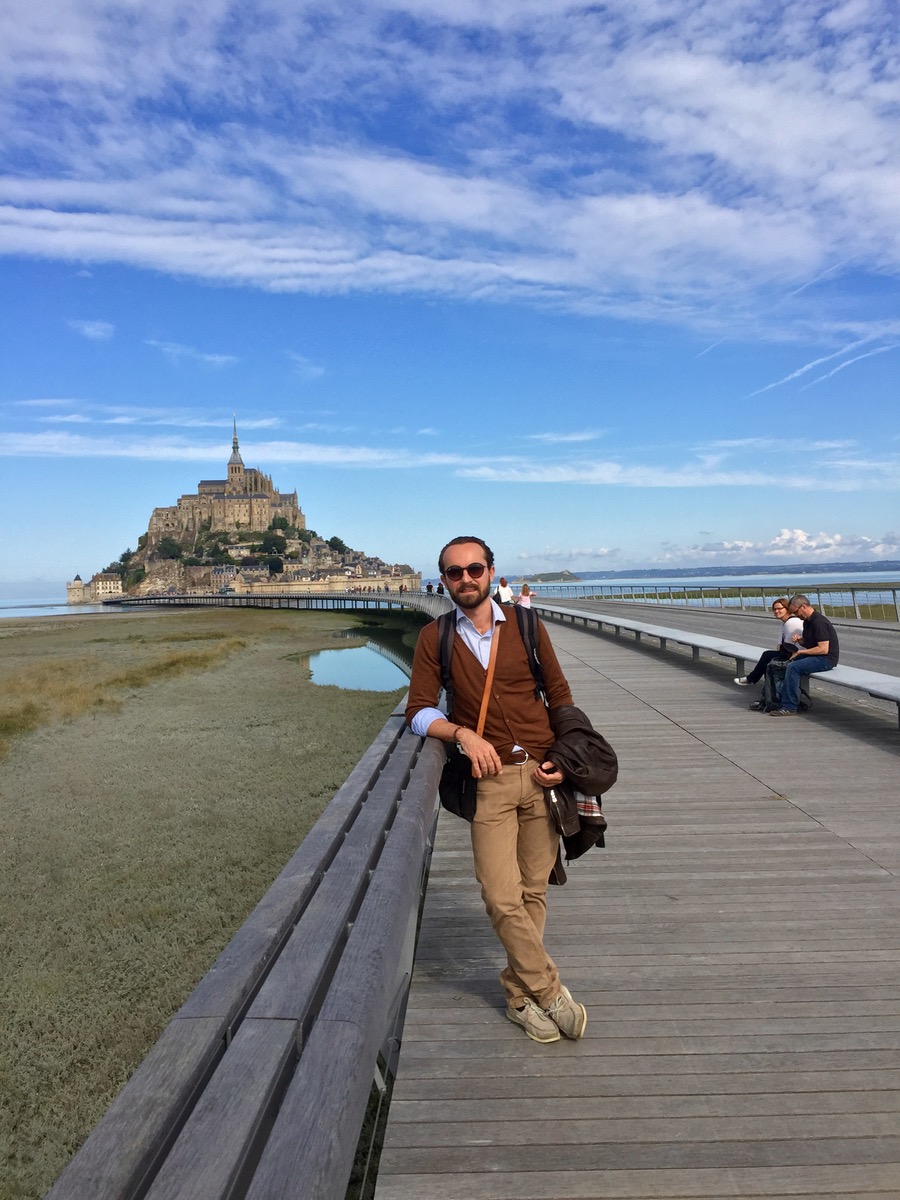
196 636
62 689
140 827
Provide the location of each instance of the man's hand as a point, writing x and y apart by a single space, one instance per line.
548 775
485 759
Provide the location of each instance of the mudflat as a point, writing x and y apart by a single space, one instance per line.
157 771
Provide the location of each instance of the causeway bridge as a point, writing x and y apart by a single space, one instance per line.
736 946
350 601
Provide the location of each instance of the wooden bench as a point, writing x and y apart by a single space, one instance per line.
259 1085
872 683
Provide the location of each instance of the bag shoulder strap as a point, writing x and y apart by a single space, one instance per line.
446 635
488 679
527 622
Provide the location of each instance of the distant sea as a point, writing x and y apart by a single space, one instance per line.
796 580
47 608
840 572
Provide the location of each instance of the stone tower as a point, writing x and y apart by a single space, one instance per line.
236 484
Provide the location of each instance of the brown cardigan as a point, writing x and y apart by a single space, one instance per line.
514 716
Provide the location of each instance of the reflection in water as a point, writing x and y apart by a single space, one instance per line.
368 668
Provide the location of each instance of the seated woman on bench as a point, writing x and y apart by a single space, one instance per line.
791 631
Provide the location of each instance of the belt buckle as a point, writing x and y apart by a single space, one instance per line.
517 762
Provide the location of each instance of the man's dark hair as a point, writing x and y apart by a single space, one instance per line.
800 600
460 541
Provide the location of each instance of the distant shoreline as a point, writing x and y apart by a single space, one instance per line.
887 569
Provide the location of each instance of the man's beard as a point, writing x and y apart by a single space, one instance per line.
471 599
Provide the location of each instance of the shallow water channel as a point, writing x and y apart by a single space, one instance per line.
361 668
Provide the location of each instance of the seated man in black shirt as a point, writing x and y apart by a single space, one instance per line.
818 650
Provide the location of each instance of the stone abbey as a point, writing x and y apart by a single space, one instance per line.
241 509
247 500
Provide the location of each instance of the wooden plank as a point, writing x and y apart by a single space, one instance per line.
298 980
315 1134
131 1139
834 1181
239 970
217 1149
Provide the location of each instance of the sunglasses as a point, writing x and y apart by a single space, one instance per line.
473 570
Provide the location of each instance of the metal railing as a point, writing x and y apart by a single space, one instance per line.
347 601
877 601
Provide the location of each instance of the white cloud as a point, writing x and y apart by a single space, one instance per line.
304 367
652 172
781 445
849 363
586 435
788 545
128 415
807 367
177 353
50 402
614 474
61 444
96 331
824 468
586 555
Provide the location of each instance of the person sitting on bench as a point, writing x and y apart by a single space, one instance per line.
791 631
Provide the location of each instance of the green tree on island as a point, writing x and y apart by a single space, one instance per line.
273 543
168 547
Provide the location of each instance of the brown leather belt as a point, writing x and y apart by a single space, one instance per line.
516 758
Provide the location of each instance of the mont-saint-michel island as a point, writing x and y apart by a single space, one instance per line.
239 534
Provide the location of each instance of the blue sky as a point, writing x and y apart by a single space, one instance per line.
611 286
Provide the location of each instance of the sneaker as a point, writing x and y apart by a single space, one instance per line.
534 1021
742 681
782 712
757 706
569 1016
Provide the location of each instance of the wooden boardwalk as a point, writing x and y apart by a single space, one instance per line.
737 947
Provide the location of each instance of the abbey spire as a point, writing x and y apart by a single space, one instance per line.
236 471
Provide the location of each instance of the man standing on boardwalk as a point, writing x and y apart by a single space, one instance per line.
818 650
514 838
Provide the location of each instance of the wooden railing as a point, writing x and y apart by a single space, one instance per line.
259 1085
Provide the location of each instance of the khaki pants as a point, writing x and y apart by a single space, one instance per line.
514 843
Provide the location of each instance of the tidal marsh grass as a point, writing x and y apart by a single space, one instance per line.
60 689
141 823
